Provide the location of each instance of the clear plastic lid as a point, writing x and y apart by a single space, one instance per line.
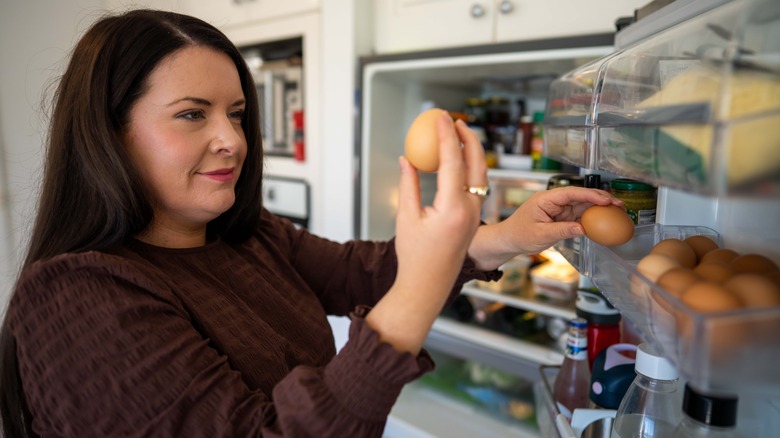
650 363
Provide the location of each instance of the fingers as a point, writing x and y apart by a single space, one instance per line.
580 195
474 154
452 171
408 190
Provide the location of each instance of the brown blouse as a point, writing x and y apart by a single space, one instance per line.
221 340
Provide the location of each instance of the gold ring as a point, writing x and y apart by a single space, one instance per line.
481 191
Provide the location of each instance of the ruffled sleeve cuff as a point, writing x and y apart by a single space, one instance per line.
367 375
469 272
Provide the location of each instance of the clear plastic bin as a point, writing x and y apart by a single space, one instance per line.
568 121
733 351
696 107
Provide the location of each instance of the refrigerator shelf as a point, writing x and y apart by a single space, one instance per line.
495 349
729 352
522 299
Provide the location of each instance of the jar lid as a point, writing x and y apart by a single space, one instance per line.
538 116
650 363
711 410
629 184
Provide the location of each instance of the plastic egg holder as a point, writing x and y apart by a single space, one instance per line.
715 352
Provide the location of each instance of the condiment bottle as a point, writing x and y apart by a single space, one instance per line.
572 385
524 133
651 406
603 322
707 416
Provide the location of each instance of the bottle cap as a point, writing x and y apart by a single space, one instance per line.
650 363
595 308
711 410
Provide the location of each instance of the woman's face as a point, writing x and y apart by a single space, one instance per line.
186 140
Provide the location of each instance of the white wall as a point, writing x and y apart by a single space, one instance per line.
35 37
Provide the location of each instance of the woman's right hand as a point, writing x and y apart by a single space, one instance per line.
431 241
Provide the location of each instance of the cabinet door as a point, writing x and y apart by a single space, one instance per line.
227 13
534 19
406 25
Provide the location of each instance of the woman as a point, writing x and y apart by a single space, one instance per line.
159 298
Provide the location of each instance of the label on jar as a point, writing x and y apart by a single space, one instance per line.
642 217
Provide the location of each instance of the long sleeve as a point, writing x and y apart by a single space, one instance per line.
107 349
224 340
349 274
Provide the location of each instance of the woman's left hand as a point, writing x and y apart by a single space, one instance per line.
547 217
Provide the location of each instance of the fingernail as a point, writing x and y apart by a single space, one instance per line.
577 231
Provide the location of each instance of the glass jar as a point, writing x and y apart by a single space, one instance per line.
640 199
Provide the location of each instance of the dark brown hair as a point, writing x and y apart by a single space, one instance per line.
92 197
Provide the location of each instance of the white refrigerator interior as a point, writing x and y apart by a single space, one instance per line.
395 89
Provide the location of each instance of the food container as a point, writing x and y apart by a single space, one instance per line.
555 281
732 351
514 278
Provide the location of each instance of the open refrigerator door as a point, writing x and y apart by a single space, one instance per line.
691 105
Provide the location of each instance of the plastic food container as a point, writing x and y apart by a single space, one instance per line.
732 351
515 276
555 281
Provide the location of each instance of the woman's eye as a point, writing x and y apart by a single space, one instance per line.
237 115
192 115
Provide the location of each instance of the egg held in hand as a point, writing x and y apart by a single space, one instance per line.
608 225
422 141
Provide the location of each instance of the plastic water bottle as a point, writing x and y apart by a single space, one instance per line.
651 406
707 416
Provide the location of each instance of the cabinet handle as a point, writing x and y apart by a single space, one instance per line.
506 7
241 2
477 10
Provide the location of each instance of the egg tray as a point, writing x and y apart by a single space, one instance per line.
727 352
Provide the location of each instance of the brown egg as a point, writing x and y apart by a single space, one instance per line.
676 249
706 296
422 141
677 280
608 225
701 245
774 276
715 272
653 266
724 255
754 290
753 264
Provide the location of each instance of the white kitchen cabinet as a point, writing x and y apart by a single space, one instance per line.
225 13
231 13
410 25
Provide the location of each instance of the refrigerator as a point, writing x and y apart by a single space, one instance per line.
606 111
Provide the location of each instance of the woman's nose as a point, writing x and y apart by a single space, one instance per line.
228 136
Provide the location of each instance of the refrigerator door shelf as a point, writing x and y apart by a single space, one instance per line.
731 352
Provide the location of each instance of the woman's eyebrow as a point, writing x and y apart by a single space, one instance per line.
198 100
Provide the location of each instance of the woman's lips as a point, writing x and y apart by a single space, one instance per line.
220 175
